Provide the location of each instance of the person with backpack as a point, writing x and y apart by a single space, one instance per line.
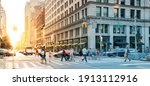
126 55
43 56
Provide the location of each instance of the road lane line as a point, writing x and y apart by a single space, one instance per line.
25 65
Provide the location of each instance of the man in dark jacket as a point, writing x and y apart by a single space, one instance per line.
63 55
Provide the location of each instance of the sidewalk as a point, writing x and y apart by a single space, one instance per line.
106 58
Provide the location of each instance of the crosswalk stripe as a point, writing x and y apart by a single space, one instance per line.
16 65
58 63
25 65
33 64
9 65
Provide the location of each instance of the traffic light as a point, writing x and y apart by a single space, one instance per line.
84 25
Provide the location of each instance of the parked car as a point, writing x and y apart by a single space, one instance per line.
120 52
117 52
10 53
3 51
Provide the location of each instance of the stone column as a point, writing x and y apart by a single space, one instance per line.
91 35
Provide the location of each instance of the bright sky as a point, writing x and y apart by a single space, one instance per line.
14 15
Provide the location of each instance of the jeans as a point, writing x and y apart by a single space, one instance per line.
84 58
63 56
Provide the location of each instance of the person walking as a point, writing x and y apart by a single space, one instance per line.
80 52
50 56
84 52
43 56
126 55
72 54
63 55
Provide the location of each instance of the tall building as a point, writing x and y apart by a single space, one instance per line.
2 21
97 24
40 22
30 22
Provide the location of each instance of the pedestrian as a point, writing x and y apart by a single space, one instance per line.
43 56
72 54
50 56
47 56
126 55
63 55
84 52
36 53
97 52
80 52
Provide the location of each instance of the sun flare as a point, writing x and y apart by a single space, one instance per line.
15 15
14 37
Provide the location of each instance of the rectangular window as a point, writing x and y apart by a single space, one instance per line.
75 6
78 4
116 1
132 30
122 2
149 29
122 13
98 11
104 28
62 36
66 35
98 0
105 11
78 15
138 2
138 14
84 31
139 29
118 29
83 2
132 13
116 12
105 1
77 31
85 12
97 28
132 2
71 33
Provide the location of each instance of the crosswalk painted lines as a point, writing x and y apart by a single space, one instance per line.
9 65
26 65
16 65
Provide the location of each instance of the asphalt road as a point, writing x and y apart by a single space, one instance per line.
33 62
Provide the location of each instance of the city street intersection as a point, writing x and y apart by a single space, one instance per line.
32 62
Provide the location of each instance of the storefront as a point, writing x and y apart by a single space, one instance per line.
120 41
76 45
84 42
